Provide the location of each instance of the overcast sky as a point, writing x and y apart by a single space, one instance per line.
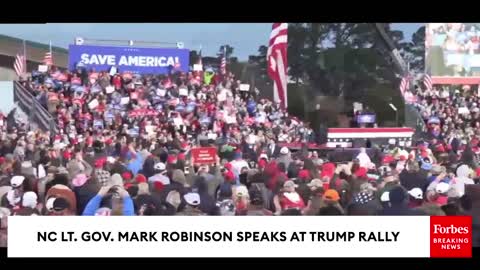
244 37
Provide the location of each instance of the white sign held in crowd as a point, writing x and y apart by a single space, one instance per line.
183 92
93 104
161 92
463 110
244 87
110 89
42 68
124 100
197 67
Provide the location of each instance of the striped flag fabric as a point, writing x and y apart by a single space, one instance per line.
277 62
47 59
20 64
404 85
223 63
427 81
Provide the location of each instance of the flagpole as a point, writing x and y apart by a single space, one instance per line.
51 54
225 57
25 56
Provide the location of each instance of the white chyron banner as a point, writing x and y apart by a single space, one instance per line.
246 236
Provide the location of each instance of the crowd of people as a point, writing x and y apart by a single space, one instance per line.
124 148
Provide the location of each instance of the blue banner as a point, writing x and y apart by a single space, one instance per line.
129 59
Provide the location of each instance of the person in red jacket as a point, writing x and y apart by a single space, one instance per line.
288 198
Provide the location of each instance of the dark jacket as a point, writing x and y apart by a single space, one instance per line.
273 153
147 169
411 180
84 194
207 203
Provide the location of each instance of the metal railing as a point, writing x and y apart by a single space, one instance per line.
37 113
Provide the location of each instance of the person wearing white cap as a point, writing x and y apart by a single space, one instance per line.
288 198
438 195
284 157
463 172
193 202
17 181
29 200
160 170
416 197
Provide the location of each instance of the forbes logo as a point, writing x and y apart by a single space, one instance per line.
439 229
450 236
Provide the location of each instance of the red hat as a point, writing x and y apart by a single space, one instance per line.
440 148
304 174
228 175
67 155
448 147
361 172
127 176
158 186
100 162
127 185
424 154
328 170
387 159
181 156
140 178
171 159
108 141
228 166
262 163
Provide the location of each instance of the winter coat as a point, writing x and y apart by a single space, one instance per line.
411 180
84 194
462 179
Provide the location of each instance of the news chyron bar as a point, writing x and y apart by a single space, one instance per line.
248 236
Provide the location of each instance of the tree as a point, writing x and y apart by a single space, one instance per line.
414 51
193 57
228 52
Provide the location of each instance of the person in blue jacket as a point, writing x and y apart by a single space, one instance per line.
136 163
125 203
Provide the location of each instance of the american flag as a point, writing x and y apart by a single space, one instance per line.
48 58
404 85
277 62
427 81
223 63
20 64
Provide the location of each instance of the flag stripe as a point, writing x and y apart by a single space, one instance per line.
19 65
427 81
48 59
277 62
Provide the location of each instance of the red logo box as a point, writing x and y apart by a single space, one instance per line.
451 237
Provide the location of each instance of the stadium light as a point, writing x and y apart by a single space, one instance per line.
393 106
396 112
